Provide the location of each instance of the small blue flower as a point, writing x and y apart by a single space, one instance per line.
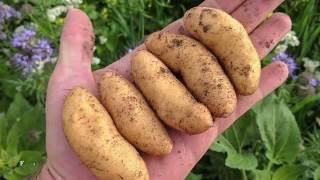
7 12
42 49
33 52
284 57
22 37
313 82
23 62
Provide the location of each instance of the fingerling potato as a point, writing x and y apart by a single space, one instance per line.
94 138
169 98
229 41
199 69
132 115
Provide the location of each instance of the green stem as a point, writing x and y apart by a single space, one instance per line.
270 164
244 175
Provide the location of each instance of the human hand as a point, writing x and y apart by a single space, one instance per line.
73 69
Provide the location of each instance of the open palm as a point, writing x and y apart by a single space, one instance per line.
73 69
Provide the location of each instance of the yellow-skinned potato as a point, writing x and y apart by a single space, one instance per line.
169 98
228 40
199 68
132 115
94 138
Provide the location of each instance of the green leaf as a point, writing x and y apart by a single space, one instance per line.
33 126
29 127
9 89
193 176
316 174
13 139
31 156
245 161
12 176
4 158
17 108
222 144
262 175
3 131
29 162
14 160
234 139
26 170
278 130
306 101
242 132
288 172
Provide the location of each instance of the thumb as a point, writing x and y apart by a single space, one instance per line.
75 53
73 69
77 41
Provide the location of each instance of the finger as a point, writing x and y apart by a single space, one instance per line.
226 5
269 33
75 53
252 12
77 42
189 149
72 69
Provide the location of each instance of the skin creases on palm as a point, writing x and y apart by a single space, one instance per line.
73 69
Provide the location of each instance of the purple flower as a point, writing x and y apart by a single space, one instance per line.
22 37
33 52
7 12
313 82
41 50
23 62
284 57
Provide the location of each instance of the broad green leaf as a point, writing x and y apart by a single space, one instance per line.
278 130
233 140
288 172
243 131
193 176
12 176
245 161
13 139
14 160
222 144
316 174
29 162
33 129
3 131
17 108
237 135
26 170
3 163
31 156
4 155
28 127
9 89
262 175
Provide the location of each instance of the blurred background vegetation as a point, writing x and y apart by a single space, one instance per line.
278 139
